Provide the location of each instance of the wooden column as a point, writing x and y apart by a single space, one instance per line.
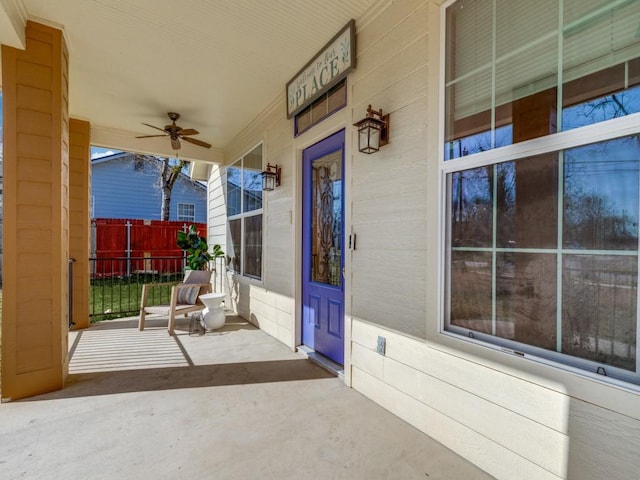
79 217
35 283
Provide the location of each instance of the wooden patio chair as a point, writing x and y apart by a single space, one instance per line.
184 297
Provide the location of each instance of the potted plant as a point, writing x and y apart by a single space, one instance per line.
196 248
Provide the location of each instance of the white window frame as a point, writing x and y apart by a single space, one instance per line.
242 216
590 134
182 217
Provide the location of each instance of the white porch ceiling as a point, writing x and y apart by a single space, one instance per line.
218 63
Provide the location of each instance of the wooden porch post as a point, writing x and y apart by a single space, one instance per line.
36 214
79 217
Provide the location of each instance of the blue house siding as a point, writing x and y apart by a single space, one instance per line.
122 187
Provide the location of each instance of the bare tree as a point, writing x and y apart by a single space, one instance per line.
170 171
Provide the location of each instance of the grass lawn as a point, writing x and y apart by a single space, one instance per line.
109 299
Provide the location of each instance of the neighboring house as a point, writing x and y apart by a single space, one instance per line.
126 185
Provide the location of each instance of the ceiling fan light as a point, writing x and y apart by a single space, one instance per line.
175 133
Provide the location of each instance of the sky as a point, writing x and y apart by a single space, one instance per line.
97 152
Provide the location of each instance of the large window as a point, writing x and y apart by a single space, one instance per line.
244 213
541 165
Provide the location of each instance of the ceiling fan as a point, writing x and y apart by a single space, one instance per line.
176 133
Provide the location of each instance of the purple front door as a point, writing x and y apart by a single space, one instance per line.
323 247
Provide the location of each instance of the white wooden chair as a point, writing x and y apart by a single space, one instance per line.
184 297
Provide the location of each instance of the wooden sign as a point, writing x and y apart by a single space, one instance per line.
327 68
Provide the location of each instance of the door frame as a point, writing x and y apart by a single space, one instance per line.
338 121
322 340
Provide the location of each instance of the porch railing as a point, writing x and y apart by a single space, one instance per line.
116 283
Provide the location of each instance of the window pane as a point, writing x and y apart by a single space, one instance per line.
527 198
253 180
303 120
600 49
234 189
253 246
599 308
598 34
601 195
186 212
526 49
469 37
471 291
478 142
468 105
523 24
328 103
598 109
472 207
526 298
319 109
235 240
338 97
326 219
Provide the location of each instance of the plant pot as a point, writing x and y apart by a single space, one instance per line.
213 314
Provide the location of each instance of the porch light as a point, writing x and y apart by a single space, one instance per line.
271 177
373 131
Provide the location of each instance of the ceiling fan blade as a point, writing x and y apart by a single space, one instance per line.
188 131
157 128
200 143
175 143
151 136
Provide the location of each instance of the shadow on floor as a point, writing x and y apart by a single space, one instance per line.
153 379
233 323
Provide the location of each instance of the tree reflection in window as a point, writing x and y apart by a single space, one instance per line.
601 195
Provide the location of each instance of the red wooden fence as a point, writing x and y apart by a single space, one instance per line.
126 238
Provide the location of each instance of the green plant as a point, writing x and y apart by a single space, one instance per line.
195 246
217 251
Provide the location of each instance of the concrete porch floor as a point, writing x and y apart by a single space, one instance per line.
233 404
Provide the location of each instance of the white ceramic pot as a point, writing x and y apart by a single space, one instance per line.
213 313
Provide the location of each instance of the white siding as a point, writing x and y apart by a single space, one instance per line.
268 303
217 221
388 189
512 417
511 427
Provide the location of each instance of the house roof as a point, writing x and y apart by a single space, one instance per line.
147 158
218 63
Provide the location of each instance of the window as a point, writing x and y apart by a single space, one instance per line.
541 164
330 102
244 213
186 212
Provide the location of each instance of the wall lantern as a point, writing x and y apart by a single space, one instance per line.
271 177
373 131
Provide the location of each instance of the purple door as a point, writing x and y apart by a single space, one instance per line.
323 246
